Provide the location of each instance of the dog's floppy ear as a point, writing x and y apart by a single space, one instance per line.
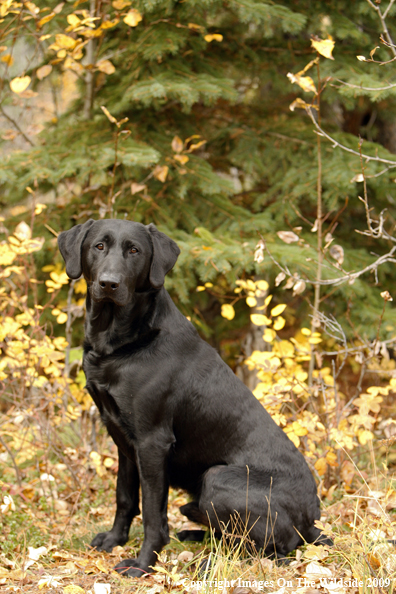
165 253
70 246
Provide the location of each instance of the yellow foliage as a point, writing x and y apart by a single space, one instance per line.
227 311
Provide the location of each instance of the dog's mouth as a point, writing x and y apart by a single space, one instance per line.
119 296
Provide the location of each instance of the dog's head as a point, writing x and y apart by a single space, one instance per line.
117 257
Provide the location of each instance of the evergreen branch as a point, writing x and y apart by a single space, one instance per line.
16 125
336 144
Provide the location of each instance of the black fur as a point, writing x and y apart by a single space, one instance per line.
176 411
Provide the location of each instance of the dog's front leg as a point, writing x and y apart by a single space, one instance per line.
127 499
152 464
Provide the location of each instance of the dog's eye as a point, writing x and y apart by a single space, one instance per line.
133 250
100 246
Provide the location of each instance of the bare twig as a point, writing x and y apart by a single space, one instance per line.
336 144
382 18
16 125
348 277
362 88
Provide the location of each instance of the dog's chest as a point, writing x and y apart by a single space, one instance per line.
118 418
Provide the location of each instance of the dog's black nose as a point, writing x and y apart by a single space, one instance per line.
109 283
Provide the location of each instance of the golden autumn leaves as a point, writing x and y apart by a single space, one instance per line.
69 44
324 47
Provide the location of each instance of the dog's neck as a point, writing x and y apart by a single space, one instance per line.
138 320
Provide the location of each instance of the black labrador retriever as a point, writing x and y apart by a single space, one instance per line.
177 413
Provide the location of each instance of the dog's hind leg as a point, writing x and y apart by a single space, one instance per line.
253 506
194 514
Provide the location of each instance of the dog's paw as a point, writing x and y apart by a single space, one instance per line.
106 541
132 568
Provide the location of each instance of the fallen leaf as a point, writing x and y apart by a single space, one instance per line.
99 588
73 589
315 571
185 556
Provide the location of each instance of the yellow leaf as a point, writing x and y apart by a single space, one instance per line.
324 47
268 300
108 114
331 459
227 311
177 144
8 59
20 84
109 24
269 335
73 589
133 18
32 7
200 288
195 27
44 71
120 4
314 340
194 147
251 301
45 19
364 436
73 20
260 320
300 104
305 82
262 285
321 466
38 209
161 172
65 41
183 159
278 309
62 318
279 323
213 37
105 66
